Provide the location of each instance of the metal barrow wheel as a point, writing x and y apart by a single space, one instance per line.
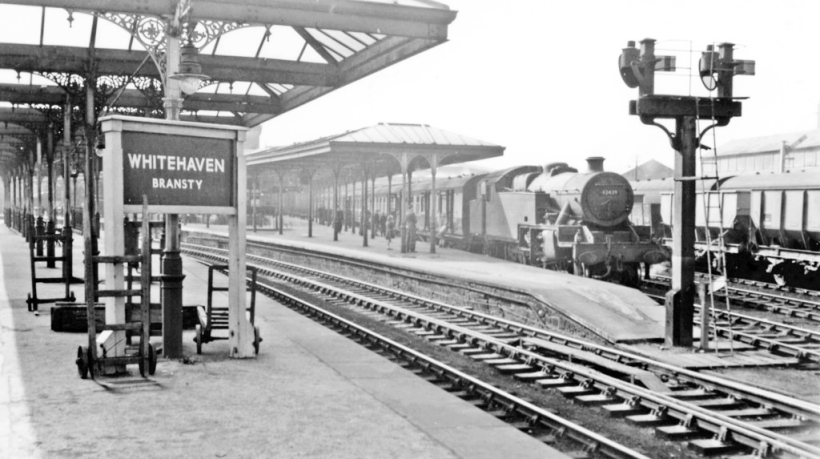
256 340
152 360
198 339
83 363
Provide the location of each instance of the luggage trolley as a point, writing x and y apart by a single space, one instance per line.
36 239
216 318
88 361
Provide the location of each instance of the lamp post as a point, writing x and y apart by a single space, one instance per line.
182 77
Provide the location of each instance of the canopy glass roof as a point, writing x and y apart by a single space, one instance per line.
263 57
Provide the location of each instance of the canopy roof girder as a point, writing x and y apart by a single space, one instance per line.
22 116
54 95
75 60
353 16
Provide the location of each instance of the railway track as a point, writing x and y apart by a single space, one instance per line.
717 415
776 337
806 306
780 338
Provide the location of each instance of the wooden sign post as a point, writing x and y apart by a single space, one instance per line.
181 167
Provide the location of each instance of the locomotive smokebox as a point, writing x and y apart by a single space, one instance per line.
595 164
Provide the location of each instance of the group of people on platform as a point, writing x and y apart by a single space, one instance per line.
381 224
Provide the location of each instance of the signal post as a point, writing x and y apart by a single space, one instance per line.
637 68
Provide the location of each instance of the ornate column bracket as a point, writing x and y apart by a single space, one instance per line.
75 86
150 31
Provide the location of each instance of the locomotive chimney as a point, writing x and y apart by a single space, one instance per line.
595 163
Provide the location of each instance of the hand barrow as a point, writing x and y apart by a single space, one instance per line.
35 239
216 318
88 360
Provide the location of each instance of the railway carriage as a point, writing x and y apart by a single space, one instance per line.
770 222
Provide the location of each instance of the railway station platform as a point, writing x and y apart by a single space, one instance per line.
309 393
616 313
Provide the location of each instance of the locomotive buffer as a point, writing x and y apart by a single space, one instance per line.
637 68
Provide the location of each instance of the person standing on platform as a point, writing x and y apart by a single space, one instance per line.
383 224
337 222
410 226
441 225
390 226
374 222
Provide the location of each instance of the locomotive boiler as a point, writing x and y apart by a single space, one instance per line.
585 228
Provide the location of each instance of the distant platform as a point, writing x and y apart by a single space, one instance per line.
615 313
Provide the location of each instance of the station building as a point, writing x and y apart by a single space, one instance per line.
797 151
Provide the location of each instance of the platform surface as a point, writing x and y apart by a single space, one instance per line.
617 313
310 393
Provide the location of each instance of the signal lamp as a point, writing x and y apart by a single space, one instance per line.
629 55
717 69
708 66
638 67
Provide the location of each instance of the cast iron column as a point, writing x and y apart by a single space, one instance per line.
310 204
363 228
50 180
432 205
172 276
680 300
280 219
66 165
335 213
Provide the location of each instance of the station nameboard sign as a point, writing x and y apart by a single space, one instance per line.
180 166
177 170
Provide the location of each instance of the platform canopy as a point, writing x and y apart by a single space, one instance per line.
383 149
262 58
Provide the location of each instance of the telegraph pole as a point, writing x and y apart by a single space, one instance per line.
637 68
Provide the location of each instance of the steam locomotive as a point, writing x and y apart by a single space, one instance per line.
582 224
770 223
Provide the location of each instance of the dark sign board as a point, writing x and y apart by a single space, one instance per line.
177 170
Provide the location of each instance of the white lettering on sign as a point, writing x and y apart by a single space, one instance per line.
176 163
176 184
609 192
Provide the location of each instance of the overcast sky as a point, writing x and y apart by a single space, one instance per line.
539 77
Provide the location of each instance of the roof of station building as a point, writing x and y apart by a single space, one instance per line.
771 143
650 170
378 147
